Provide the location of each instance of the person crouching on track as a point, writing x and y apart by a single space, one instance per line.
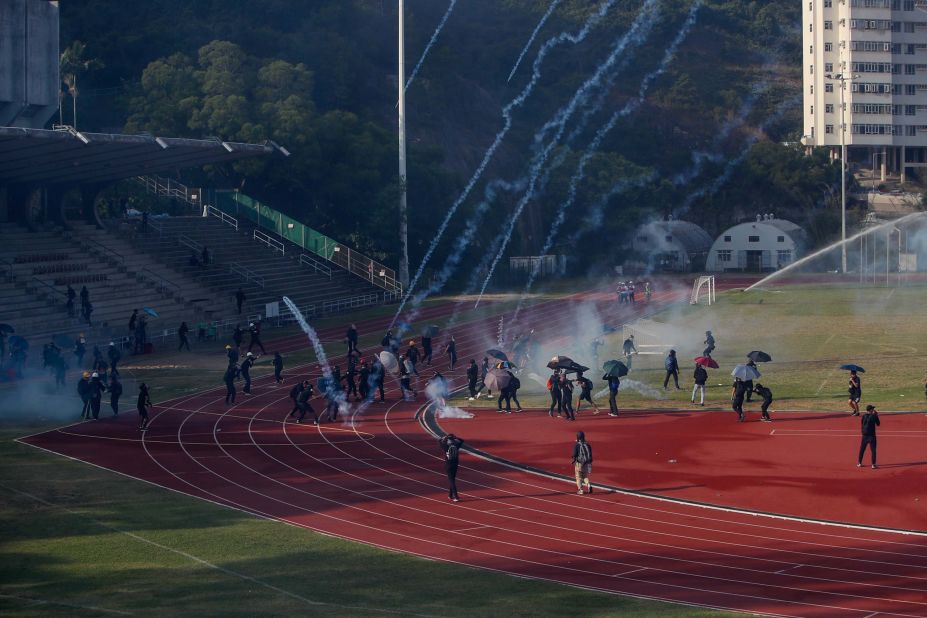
582 463
143 404
766 394
450 445
585 393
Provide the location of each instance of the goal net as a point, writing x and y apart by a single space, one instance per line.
702 288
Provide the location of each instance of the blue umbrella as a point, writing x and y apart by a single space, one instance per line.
855 368
150 311
745 372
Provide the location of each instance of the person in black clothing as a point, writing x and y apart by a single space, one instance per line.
115 392
473 373
377 375
556 397
302 402
390 342
614 383
671 364
245 369
237 336
205 256
95 391
582 463
451 351
628 348
114 356
748 384
412 355
255 331
229 378
509 393
294 395
856 392
405 380
142 405
868 423
84 296
61 370
88 312
709 344
83 390
240 299
700 377
737 398
80 348
363 377
566 396
182 334
585 393
426 349
484 369
351 339
71 294
331 390
133 321
278 367
350 378
450 446
766 394
232 355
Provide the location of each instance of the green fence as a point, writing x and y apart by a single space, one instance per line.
241 207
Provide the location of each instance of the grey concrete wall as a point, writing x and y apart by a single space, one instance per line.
29 81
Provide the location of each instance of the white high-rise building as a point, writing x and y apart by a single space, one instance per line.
876 51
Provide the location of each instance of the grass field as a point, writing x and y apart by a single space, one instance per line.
77 540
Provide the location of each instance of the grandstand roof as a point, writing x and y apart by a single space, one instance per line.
43 157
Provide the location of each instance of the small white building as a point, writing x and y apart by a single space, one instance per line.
764 245
671 246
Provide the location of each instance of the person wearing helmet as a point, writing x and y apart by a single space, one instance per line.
232 354
229 378
114 356
96 388
83 390
255 331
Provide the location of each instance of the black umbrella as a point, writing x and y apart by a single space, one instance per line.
560 362
17 341
614 369
6 328
431 330
63 341
497 354
759 357
577 368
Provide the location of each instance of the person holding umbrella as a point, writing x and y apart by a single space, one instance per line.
868 423
748 384
700 377
450 446
855 390
671 364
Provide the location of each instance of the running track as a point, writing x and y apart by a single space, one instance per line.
378 479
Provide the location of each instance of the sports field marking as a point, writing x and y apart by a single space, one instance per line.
791 568
37 601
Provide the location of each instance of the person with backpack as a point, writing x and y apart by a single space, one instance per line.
450 446
701 377
868 423
556 397
473 373
509 393
582 463
294 395
142 405
585 393
278 367
566 396
614 383
671 364
766 394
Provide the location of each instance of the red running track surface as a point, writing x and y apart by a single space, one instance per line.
378 479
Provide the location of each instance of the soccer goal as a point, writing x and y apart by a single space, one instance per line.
708 283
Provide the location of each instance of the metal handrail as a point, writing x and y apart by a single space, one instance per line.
306 260
189 242
95 244
161 280
49 286
215 212
273 243
331 306
246 273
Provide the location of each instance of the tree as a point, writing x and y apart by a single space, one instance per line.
72 64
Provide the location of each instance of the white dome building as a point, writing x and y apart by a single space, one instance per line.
671 246
764 245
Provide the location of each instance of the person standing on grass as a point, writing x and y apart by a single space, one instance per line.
142 405
278 367
229 378
855 390
628 349
451 351
868 422
738 392
473 373
182 335
582 463
450 446
115 392
556 396
671 364
700 377
766 394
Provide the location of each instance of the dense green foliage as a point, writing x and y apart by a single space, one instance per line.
320 78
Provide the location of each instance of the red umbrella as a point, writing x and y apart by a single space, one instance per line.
706 361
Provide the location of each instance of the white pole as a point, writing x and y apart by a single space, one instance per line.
403 205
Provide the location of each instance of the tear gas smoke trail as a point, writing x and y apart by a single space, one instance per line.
634 385
437 393
550 11
434 37
630 107
712 187
563 37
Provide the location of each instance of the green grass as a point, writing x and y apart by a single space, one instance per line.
81 541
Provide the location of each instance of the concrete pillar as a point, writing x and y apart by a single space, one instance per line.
901 165
882 167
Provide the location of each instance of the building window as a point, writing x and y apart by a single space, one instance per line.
828 25
828 47
911 130
727 238
828 3
828 88
828 67
780 238
910 89
910 69
829 108
828 128
753 239
812 110
811 49
784 256
910 110
811 69
724 255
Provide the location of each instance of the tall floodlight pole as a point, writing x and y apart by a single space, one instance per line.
403 205
843 79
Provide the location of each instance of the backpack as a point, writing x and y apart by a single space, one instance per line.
583 456
514 384
452 452
669 363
